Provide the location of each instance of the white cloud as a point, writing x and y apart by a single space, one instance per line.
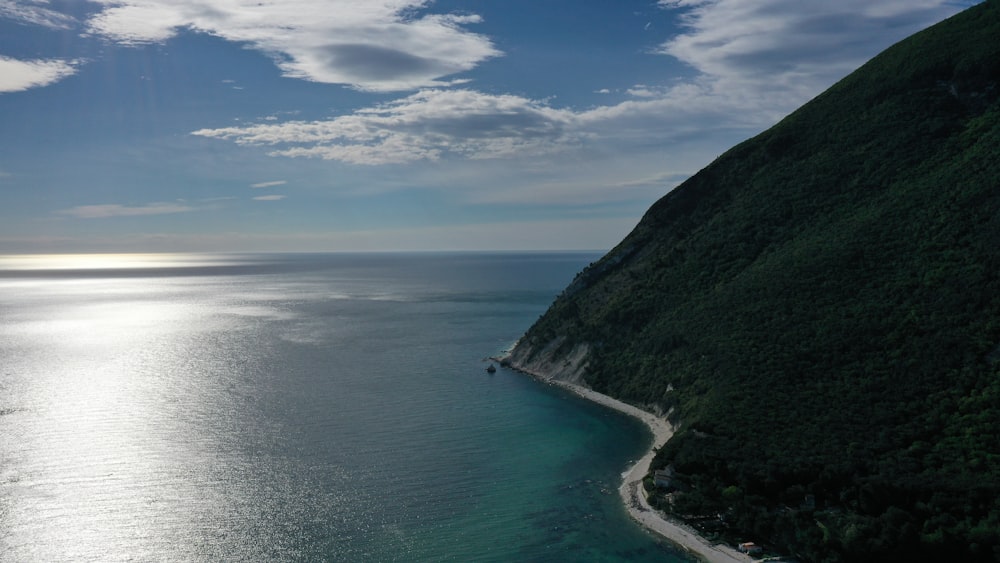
377 45
17 75
682 3
757 61
115 210
269 184
269 198
436 124
780 53
643 91
754 63
34 12
424 126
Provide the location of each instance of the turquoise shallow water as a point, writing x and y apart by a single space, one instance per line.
298 407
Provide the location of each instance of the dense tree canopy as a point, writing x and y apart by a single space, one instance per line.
820 308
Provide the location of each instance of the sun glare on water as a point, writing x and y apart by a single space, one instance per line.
103 439
44 262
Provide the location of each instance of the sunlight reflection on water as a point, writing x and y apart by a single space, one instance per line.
122 419
46 262
290 412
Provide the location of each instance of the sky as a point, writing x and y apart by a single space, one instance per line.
386 125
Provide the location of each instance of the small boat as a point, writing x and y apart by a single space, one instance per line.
491 369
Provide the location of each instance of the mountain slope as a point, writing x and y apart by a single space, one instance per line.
819 310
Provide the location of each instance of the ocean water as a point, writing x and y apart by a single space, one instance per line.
298 408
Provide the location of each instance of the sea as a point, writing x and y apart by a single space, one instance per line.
298 407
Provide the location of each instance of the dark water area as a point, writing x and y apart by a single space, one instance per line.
298 407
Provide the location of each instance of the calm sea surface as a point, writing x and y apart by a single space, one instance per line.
297 407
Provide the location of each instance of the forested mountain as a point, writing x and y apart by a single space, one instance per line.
819 312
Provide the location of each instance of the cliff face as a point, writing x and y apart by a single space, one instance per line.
552 361
820 308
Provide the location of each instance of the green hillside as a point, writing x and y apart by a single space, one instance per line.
819 310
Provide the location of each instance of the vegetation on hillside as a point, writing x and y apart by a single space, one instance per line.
820 307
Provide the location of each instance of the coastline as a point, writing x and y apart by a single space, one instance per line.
630 490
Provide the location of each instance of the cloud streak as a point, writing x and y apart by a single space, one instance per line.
17 75
104 211
35 14
269 184
374 45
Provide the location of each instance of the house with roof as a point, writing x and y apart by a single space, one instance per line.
750 548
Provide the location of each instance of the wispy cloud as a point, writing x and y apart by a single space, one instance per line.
466 124
662 180
643 91
17 75
269 184
424 126
787 51
377 45
114 210
269 198
35 13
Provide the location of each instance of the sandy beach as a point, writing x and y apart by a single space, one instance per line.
631 492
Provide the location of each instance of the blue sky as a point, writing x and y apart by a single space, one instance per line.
333 125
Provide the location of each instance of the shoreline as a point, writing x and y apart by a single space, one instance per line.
630 490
